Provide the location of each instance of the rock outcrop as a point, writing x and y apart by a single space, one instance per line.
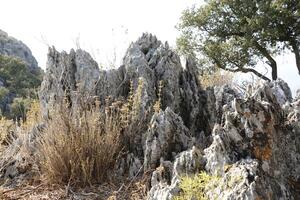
10 46
254 150
250 142
166 137
147 59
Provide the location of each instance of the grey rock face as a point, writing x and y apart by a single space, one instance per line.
10 46
254 142
218 99
254 150
253 147
166 178
166 137
67 74
155 65
147 59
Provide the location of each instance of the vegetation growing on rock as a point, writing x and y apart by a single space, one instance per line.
195 187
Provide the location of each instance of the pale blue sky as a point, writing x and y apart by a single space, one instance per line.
102 27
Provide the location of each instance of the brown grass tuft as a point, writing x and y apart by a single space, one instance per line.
80 148
216 78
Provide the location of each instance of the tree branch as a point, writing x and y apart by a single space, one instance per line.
242 69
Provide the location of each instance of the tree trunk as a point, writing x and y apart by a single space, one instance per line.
274 70
271 60
295 48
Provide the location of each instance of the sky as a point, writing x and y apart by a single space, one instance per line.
103 28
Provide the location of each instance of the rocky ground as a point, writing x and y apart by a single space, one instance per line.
251 140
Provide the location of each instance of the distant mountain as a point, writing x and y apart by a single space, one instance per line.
10 46
20 76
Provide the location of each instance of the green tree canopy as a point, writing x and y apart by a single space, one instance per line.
18 87
17 77
236 34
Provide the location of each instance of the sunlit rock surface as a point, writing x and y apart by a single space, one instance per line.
251 141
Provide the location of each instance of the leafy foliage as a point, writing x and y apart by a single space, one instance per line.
19 108
3 92
19 82
194 187
236 34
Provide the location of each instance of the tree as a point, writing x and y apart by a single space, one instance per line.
236 34
19 108
285 26
18 86
17 77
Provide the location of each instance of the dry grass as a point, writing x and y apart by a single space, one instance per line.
6 128
136 190
76 150
80 148
216 78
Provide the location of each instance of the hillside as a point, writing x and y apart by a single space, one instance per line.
20 77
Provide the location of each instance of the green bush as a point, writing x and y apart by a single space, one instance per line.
3 92
193 188
19 108
17 76
19 82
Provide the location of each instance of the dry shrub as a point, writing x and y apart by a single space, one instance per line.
33 115
6 128
216 78
80 148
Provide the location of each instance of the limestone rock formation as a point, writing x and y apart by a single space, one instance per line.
251 142
10 46
166 137
67 75
166 178
255 150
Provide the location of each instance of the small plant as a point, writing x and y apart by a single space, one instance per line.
126 109
193 188
20 107
217 77
157 105
6 127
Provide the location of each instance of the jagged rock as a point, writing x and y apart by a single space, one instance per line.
66 74
157 63
243 180
282 91
254 150
255 130
10 46
217 98
148 59
166 137
217 155
166 178
297 96
255 142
